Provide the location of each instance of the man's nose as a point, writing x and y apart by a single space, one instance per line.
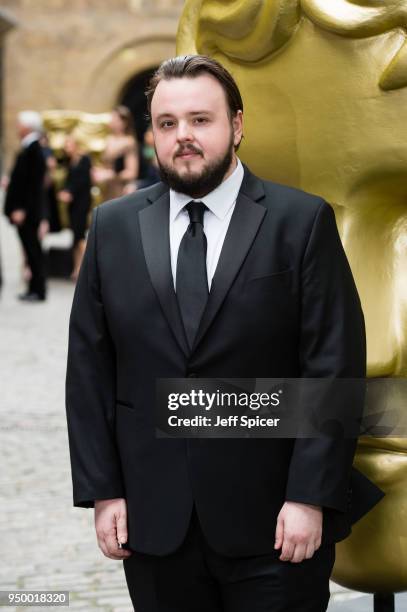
184 132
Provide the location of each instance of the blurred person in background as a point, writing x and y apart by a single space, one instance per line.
152 173
149 172
25 204
49 183
77 195
120 159
50 221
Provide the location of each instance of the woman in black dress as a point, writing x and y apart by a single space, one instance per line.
77 194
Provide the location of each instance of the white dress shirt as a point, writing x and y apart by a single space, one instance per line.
221 204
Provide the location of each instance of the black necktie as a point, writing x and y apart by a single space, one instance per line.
191 278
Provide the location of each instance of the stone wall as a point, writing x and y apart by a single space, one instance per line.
79 54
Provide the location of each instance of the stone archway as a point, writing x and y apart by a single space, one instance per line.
134 98
107 85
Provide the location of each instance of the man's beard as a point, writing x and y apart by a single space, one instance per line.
198 185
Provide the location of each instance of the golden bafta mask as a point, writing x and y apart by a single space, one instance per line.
90 132
90 129
324 85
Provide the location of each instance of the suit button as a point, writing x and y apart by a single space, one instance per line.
192 375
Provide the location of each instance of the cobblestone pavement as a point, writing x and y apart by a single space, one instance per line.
45 542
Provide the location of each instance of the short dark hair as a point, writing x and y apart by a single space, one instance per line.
191 66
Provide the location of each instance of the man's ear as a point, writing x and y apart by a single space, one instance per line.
237 123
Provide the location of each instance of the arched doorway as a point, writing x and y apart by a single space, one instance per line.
134 98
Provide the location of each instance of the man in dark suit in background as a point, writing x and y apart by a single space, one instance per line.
25 201
213 273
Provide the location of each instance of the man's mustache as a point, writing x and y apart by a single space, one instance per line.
188 149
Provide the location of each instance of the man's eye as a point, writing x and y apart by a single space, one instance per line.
167 123
201 119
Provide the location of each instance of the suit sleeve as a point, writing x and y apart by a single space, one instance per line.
332 345
34 187
18 179
90 390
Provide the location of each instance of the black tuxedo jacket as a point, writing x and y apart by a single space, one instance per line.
283 303
26 187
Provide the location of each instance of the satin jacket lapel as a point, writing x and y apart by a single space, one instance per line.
154 227
244 224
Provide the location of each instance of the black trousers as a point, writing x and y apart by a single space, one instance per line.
195 578
35 256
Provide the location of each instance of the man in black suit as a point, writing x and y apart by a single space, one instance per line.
213 273
25 201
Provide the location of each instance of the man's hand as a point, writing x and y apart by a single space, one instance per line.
65 196
298 531
111 527
43 229
18 217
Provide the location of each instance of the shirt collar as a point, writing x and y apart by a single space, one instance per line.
30 138
219 201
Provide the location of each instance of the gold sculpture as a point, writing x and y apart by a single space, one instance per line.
324 84
90 130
